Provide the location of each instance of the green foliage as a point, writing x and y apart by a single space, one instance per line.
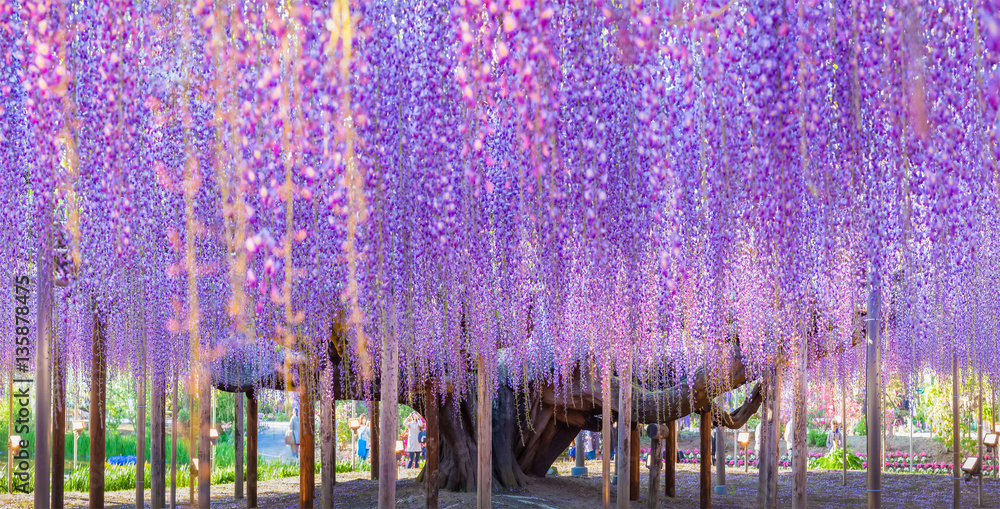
861 428
345 466
3 475
834 460
118 478
816 437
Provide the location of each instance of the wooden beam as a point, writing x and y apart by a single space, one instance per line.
251 450
431 473
670 477
58 425
157 442
705 477
98 411
328 438
238 445
656 438
633 477
484 438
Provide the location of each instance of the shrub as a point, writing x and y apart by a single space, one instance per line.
816 438
834 460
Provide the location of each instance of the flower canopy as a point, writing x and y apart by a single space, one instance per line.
537 183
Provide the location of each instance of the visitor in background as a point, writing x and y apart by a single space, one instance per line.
413 448
789 434
614 438
364 432
836 437
293 426
592 445
572 450
588 446
757 439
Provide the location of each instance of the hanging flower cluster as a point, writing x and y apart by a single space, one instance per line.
642 186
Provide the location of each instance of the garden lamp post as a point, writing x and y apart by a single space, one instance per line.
990 440
77 431
744 439
354 424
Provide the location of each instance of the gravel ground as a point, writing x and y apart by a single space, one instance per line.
357 491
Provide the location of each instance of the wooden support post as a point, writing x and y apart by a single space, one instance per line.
307 442
767 462
956 441
800 452
238 445
204 440
633 477
658 434
843 424
43 362
251 450
670 477
388 416
606 436
157 442
872 394
173 447
979 440
140 428
431 472
373 454
328 438
705 462
624 434
98 411
484 438
58 425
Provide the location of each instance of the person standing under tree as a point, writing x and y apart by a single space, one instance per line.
836 437
293 426
413 448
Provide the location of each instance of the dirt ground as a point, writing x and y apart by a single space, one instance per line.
356 491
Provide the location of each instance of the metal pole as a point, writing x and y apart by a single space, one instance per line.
140 443
874 414
43 360
580 469
911 403
173 450
956 440
843 424
979 440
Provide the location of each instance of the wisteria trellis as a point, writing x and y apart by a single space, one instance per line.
561 181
